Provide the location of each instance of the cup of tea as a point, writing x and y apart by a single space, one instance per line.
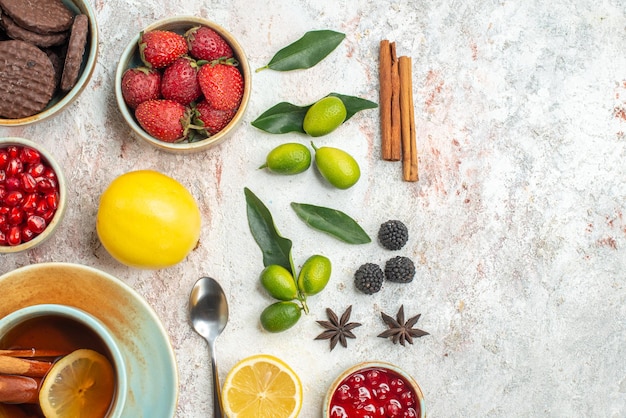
39 343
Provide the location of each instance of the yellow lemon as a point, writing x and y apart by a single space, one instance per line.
81 384
262 386
148 220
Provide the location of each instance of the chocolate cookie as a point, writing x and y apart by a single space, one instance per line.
40 16
75 51
15 31
26 79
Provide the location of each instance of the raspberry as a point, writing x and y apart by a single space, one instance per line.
400 270
369 278
393 235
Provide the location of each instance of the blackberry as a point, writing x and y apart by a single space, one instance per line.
369 278
393 235
400 270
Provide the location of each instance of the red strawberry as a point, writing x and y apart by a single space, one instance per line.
180 81
206 44
160 48
213 120
165 120
140 84
222 85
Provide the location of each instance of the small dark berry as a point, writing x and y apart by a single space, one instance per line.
369 278
393 235
400 270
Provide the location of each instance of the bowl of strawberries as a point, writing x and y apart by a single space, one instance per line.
183 84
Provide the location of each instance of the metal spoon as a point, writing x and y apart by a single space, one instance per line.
208 309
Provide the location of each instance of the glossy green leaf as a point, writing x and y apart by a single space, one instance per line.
331 221
286 117
275 248
307 51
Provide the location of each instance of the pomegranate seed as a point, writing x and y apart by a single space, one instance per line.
48 215
15 216
42 207
49 173
3 193
12 183
3 220
29 184
30 156
27 234
4 158
14 167
4 210
14 237
29 203
45 184
37 170
3 238
13 151
52 199
36 223
13 198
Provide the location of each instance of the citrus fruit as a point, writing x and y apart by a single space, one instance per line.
289 158
280 316
79 385
324 116
148 220
279 282
337 166
314 275
262 386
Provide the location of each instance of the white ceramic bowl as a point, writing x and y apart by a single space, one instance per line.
364 366
130 59
62 202
43 311
61 100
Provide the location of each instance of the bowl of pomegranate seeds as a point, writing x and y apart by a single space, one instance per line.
48 51
376 389
183 84
32 195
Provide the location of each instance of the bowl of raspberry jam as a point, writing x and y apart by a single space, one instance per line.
374 389
32 195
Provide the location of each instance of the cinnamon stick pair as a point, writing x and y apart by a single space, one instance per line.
397 110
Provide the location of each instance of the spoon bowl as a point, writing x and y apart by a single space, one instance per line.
208 310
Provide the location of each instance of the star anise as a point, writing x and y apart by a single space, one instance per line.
400 331
337 330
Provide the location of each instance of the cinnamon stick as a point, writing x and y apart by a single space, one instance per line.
33 353
384 74
396 142
409 146
19 389
24 367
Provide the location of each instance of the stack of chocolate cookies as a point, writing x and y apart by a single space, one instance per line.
41 51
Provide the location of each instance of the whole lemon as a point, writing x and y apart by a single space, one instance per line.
148 220
324 116
337 166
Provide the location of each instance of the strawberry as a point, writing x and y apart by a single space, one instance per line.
140 84
206 44
160 48
165 120
180 81
222 85
211 119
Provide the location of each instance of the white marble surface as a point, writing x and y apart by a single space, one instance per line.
517 225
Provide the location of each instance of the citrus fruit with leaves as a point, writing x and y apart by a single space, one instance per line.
337 166
289 158
314 275
148 220
279 282
280 316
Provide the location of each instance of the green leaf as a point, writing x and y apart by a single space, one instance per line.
275 248
307 51
287 117
331 221
282 118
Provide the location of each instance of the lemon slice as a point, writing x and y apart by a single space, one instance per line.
80 385
262 386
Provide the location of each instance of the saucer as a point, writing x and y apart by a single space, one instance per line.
144 343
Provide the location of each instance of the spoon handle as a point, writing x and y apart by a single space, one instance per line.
217 389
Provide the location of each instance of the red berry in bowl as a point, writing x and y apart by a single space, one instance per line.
180 81
222 85
206 44
140 84
160 48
